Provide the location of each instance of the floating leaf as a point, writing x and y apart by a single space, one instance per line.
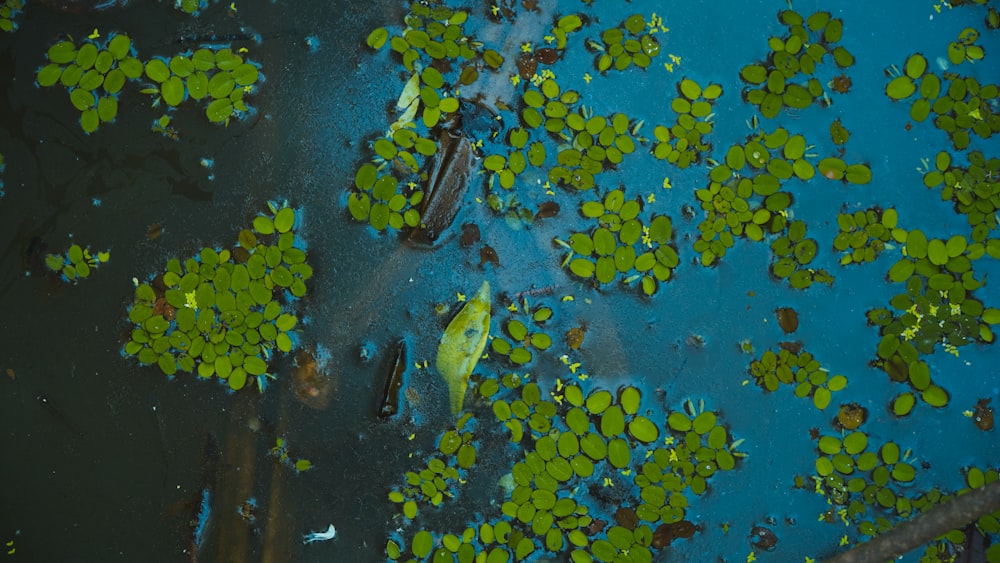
900 88
462 344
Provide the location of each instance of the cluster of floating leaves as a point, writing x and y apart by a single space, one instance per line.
572 443
76 263
621 245
871 486
599 143
936 308
864 234
866 484
280 451
431 46
800 369
964 48
683 144
220 313
441 474
379 200
808 42
434 32
219 77
523 336
95 73
8 13
944 548
744 199
596 143
627 44
793 252
961 105
975 189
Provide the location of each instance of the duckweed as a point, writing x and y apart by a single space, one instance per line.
441 474
572 439
219 313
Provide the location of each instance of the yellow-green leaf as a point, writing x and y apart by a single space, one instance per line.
462 344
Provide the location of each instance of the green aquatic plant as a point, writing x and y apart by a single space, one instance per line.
433 31
442 473
745 199
864 234
871 487
389 197
382 201
221 312
621 246
95 73
280 451
9 12
868 485
598 144
800 369
937 308
975 189
964 48
575 446
220 77
626 44
684 143
961 105
523 336
776 83
793 252
191 7
76 263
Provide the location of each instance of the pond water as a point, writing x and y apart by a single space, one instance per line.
106 458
